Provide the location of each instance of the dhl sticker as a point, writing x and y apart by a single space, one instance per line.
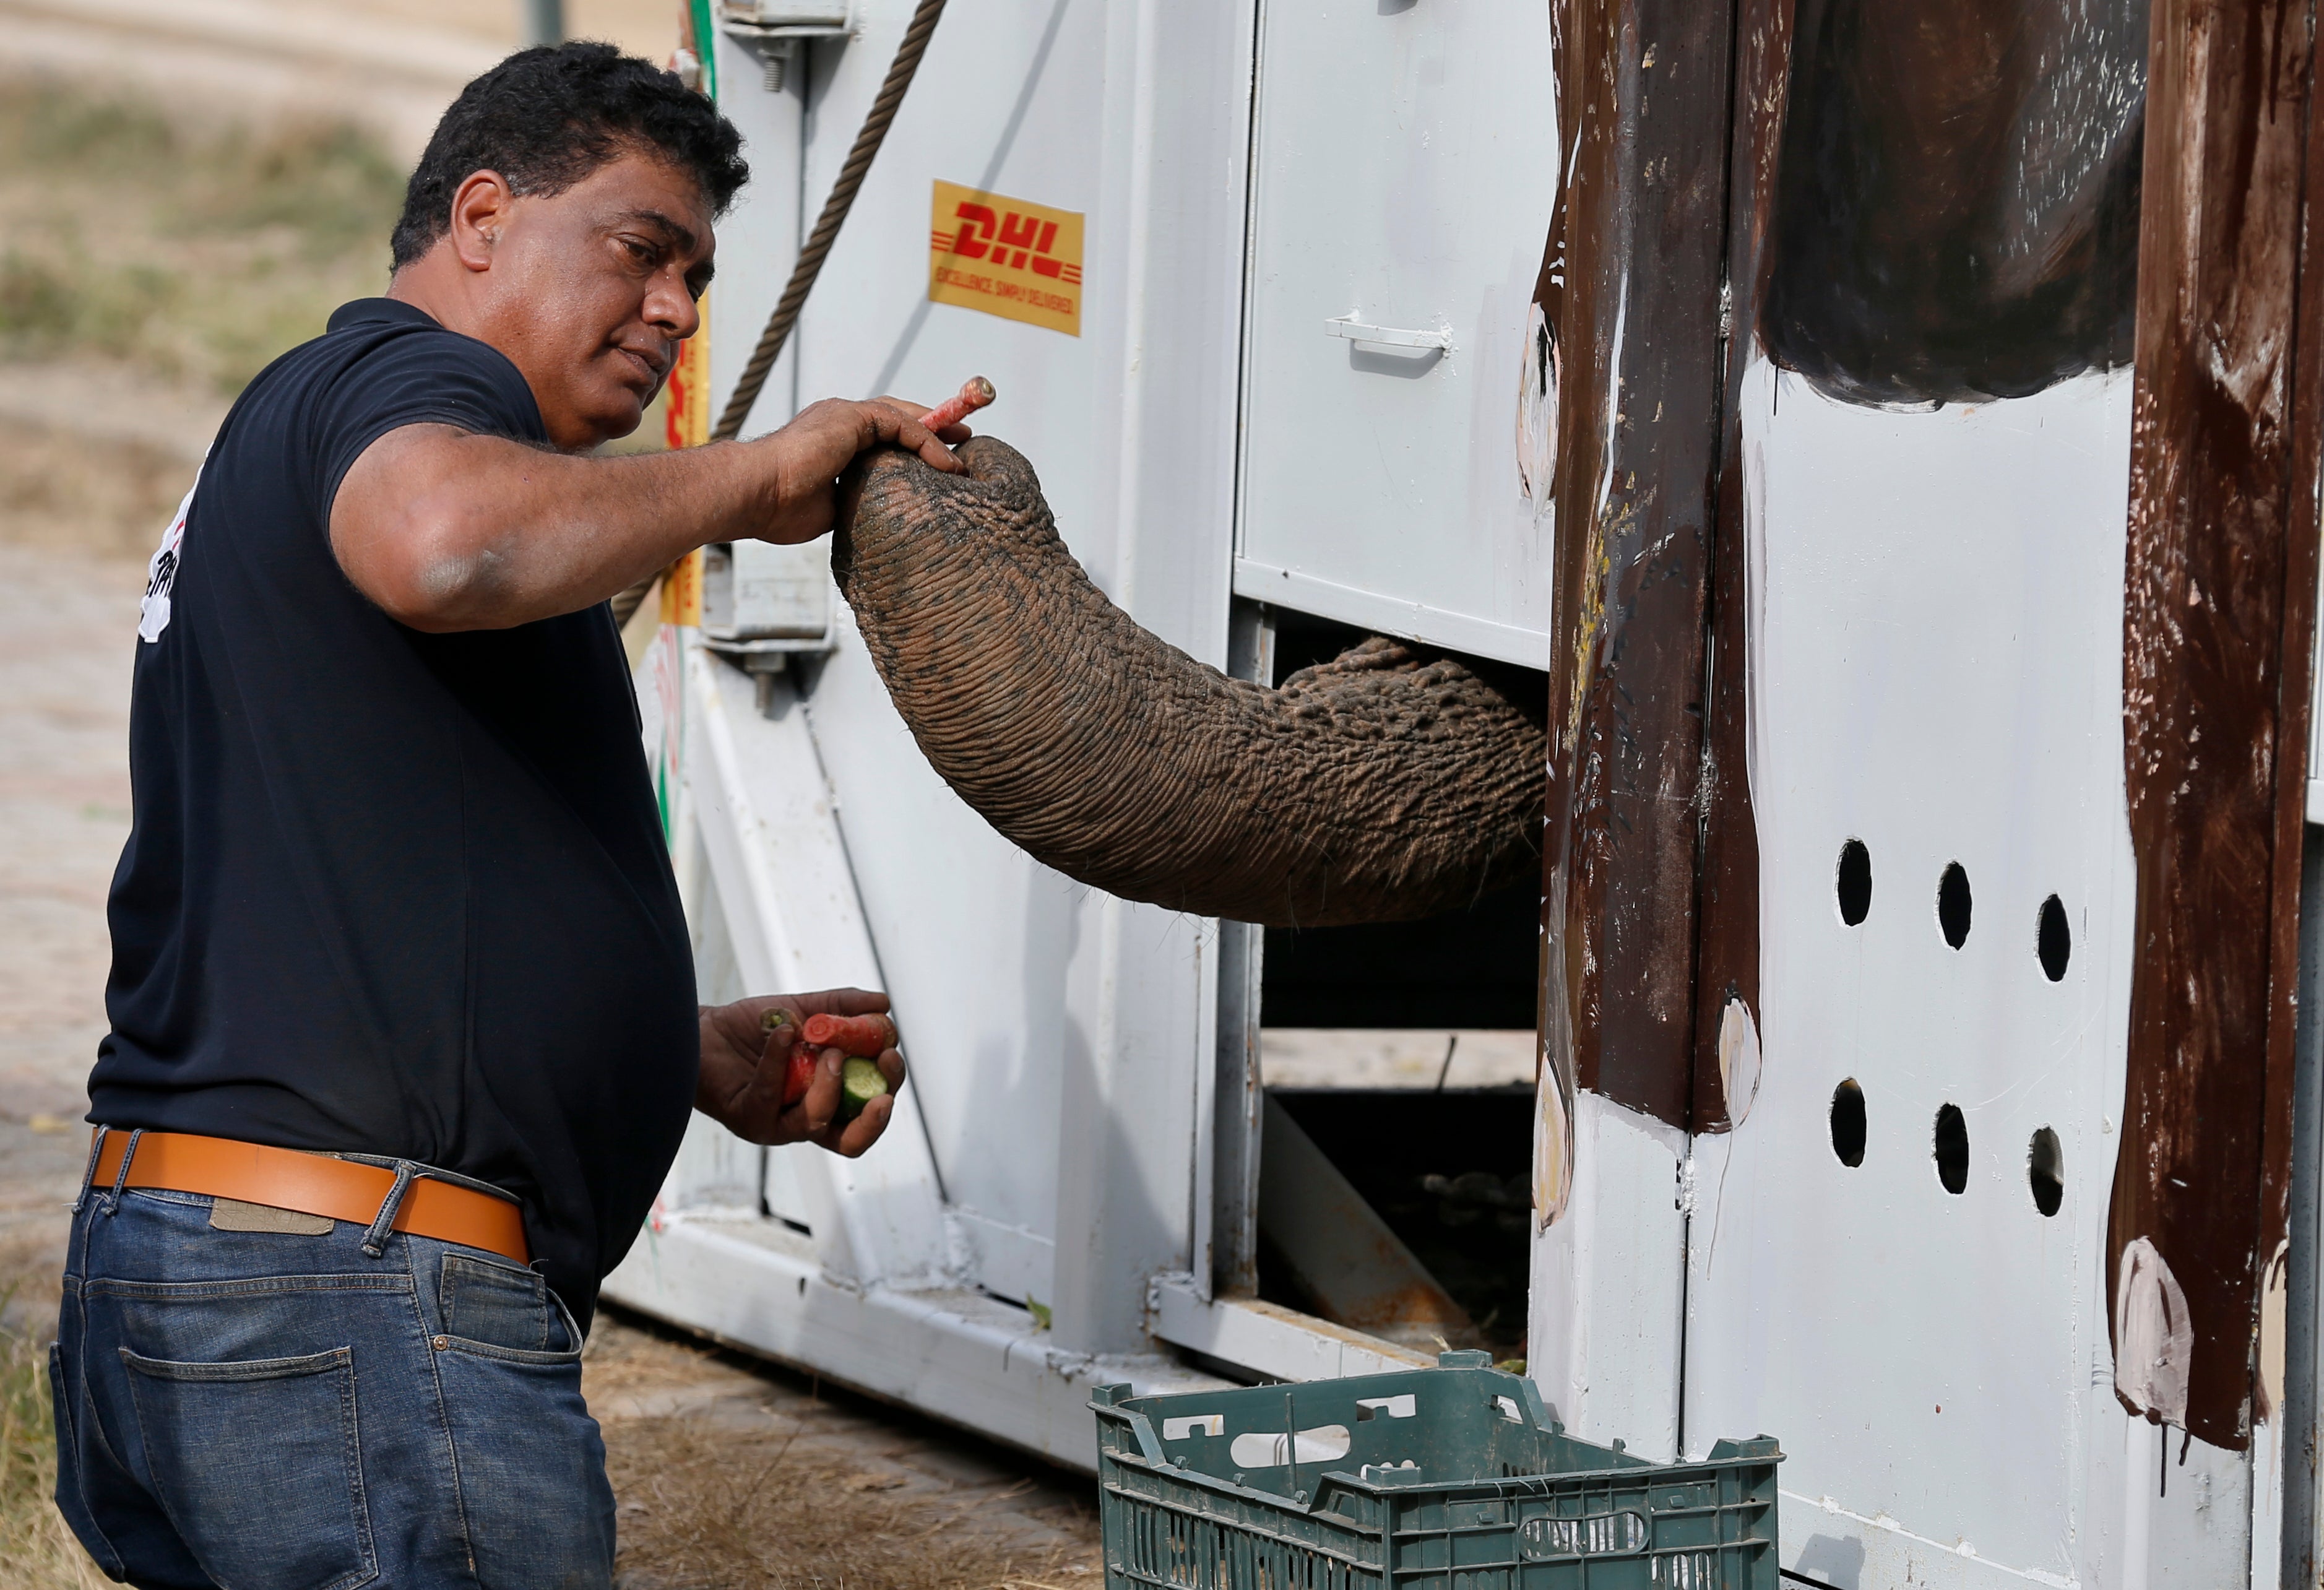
1006 256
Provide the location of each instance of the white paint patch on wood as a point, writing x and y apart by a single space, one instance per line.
1537 413
1552 1150
2155 1339
2274 1301
1739 1060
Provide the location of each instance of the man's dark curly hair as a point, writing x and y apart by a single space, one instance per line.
549 117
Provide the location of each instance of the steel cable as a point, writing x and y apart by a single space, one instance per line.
826 226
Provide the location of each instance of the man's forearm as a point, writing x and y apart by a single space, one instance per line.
447 530
479 532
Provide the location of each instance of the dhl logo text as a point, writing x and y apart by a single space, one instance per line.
1017 241
1008 257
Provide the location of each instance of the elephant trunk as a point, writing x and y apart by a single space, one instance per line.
1391 782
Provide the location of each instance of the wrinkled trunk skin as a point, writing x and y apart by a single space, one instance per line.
1389 784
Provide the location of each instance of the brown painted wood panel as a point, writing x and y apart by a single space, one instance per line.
1727 958
2214 676
1630 287
2303 549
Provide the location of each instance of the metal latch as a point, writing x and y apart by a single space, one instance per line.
804 18
757 596
772 30
1355 330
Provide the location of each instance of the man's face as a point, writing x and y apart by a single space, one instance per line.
592 290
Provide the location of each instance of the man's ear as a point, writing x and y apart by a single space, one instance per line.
480 210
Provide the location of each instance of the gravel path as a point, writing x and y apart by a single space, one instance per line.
67 623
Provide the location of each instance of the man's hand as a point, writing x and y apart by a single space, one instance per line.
743 1066
817 447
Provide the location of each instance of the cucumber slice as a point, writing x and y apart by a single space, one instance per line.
860 1082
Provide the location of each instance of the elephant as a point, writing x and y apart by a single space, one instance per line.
1390 783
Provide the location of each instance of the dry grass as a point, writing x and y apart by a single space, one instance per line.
166 257
181 256
802 1497
37 1552
704 1507
195 256
98 495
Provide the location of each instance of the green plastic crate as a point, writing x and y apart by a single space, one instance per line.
1452 1478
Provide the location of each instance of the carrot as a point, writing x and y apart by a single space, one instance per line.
862 1036
800 1072
974 395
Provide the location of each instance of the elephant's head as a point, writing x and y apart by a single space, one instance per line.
1392 782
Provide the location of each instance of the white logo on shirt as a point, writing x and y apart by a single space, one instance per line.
161 573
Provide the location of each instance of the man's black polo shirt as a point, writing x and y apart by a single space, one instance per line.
386 891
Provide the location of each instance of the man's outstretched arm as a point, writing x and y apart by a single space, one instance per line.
449 530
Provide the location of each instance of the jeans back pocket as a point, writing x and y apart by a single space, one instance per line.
257 1464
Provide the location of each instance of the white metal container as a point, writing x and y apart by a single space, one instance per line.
1312 232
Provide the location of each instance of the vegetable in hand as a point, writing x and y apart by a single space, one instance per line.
863 1039
799 1073
867 1036
974 395
860 1082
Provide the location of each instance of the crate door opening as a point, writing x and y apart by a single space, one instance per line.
1406 166
1398 1065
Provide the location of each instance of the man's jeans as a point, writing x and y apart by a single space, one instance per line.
274 1412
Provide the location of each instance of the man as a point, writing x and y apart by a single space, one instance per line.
403 1033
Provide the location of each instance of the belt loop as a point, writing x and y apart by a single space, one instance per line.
121 1175
374 1240
88 1172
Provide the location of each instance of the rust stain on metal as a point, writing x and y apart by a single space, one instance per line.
1629 287
2218 610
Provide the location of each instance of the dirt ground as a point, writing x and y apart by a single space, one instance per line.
728 1473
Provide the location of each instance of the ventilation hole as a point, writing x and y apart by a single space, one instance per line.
1847 1123
1855 882
1952 1148
1952 905
2045 1167
2053 941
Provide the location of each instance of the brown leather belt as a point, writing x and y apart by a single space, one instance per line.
311 1184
